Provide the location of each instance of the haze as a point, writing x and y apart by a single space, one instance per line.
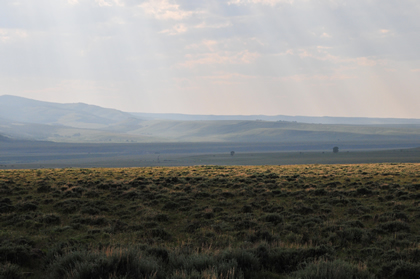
304 57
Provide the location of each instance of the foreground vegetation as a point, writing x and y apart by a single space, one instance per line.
307 221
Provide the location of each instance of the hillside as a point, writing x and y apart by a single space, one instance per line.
301 119
74 115
269 131
23 118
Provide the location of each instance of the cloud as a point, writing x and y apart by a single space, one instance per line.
177 29
220 57
365 61
144 45
300 78
107 3
162 9
10 35
264 2
207 44
215 26
322 53
103 3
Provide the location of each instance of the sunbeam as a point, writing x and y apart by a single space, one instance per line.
337 58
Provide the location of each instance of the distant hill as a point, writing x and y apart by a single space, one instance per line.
300 119
269 131
74 115
22 118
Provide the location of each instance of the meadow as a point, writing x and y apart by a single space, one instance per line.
37 155
295 221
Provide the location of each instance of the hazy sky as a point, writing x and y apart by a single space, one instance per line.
292 57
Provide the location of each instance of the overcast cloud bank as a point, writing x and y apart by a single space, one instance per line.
289 57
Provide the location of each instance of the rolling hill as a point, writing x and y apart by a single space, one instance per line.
36 120
300 119
74 115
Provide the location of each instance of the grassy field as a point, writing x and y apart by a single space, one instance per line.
37 161
31 154
299 221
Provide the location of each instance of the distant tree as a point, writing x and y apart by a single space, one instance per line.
335 149
232 153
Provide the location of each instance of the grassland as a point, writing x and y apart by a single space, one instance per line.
302 221
32 154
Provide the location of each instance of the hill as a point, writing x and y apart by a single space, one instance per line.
74 115
269 131
301 119
36 120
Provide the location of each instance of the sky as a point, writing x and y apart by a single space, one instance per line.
274 57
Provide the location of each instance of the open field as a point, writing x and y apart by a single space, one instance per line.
301 221
29 155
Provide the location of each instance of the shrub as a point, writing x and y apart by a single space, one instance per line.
363 191
15 253
161 218
68 206
289 260
246 209
394 226
353 235
118 263
371 251
400 270
160 253
170 206
274 218
51 219
6 208
161 233
44 189
246 261
332 270
406 270
90 210
192 262
28 207
10 271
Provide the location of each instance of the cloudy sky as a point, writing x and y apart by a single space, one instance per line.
290 57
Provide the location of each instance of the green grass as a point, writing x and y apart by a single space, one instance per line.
296 221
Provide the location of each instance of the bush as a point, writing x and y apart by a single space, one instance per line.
353 235
122 263
51 219
332 270
394 226
161 233
246 260
400 270
28 207
160 253
10 271
406 270
15 253
274 218
289 260
90 211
